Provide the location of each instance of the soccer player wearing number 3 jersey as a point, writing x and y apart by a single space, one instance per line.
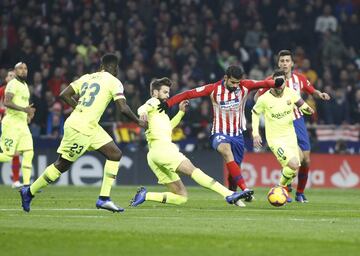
228 97
277 106
82 131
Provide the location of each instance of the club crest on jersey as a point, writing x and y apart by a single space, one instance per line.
288 102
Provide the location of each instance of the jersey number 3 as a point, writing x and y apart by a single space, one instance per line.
94 90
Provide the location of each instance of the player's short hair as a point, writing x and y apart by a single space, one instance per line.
157 83
235 72
278 72
109 62
285 53
19 64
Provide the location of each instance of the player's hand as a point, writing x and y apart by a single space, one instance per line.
29 119
30 110
279 82
324 96
144 117
183 105
257 141
308 111
163 106
143 124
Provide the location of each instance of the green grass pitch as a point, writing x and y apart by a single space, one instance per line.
64 221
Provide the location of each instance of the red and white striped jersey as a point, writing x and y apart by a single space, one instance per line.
300 84
228 107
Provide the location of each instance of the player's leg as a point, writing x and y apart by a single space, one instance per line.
303 177
104 144
225 147
176 196
72 146
26 166
50 175
166 176
287 154
304 144
15 166
186 167
26 148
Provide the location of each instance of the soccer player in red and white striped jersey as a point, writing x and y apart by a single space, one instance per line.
228 97
300 84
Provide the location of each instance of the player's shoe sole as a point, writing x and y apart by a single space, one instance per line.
108 205
139 197
26 198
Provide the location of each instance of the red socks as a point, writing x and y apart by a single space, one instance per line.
302 178
235 173
15 168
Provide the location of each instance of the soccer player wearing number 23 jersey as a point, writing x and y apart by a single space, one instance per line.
83 133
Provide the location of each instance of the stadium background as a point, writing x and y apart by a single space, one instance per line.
192 42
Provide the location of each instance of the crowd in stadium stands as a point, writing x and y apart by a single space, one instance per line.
190 41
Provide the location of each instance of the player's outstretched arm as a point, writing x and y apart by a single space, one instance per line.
67 96
252 84
125 109
190 94
322 95
177 118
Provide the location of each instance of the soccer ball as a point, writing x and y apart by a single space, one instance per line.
277 196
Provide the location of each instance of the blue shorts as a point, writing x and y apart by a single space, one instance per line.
302 134
236 142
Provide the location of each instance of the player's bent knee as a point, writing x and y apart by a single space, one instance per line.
293 164
116 155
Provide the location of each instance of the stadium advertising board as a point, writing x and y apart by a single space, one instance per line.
337 171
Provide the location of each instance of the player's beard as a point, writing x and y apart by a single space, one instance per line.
278 91
231 89
22 78
162 100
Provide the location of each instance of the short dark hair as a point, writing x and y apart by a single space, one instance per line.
285 53
157 83
235 72
278 72
109 62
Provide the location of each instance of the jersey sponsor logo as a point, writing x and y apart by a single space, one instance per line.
199 89
231 104
345 177
281 115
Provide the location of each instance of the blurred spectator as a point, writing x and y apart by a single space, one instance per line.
261 70
308 71
326 22
355 108
190 41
